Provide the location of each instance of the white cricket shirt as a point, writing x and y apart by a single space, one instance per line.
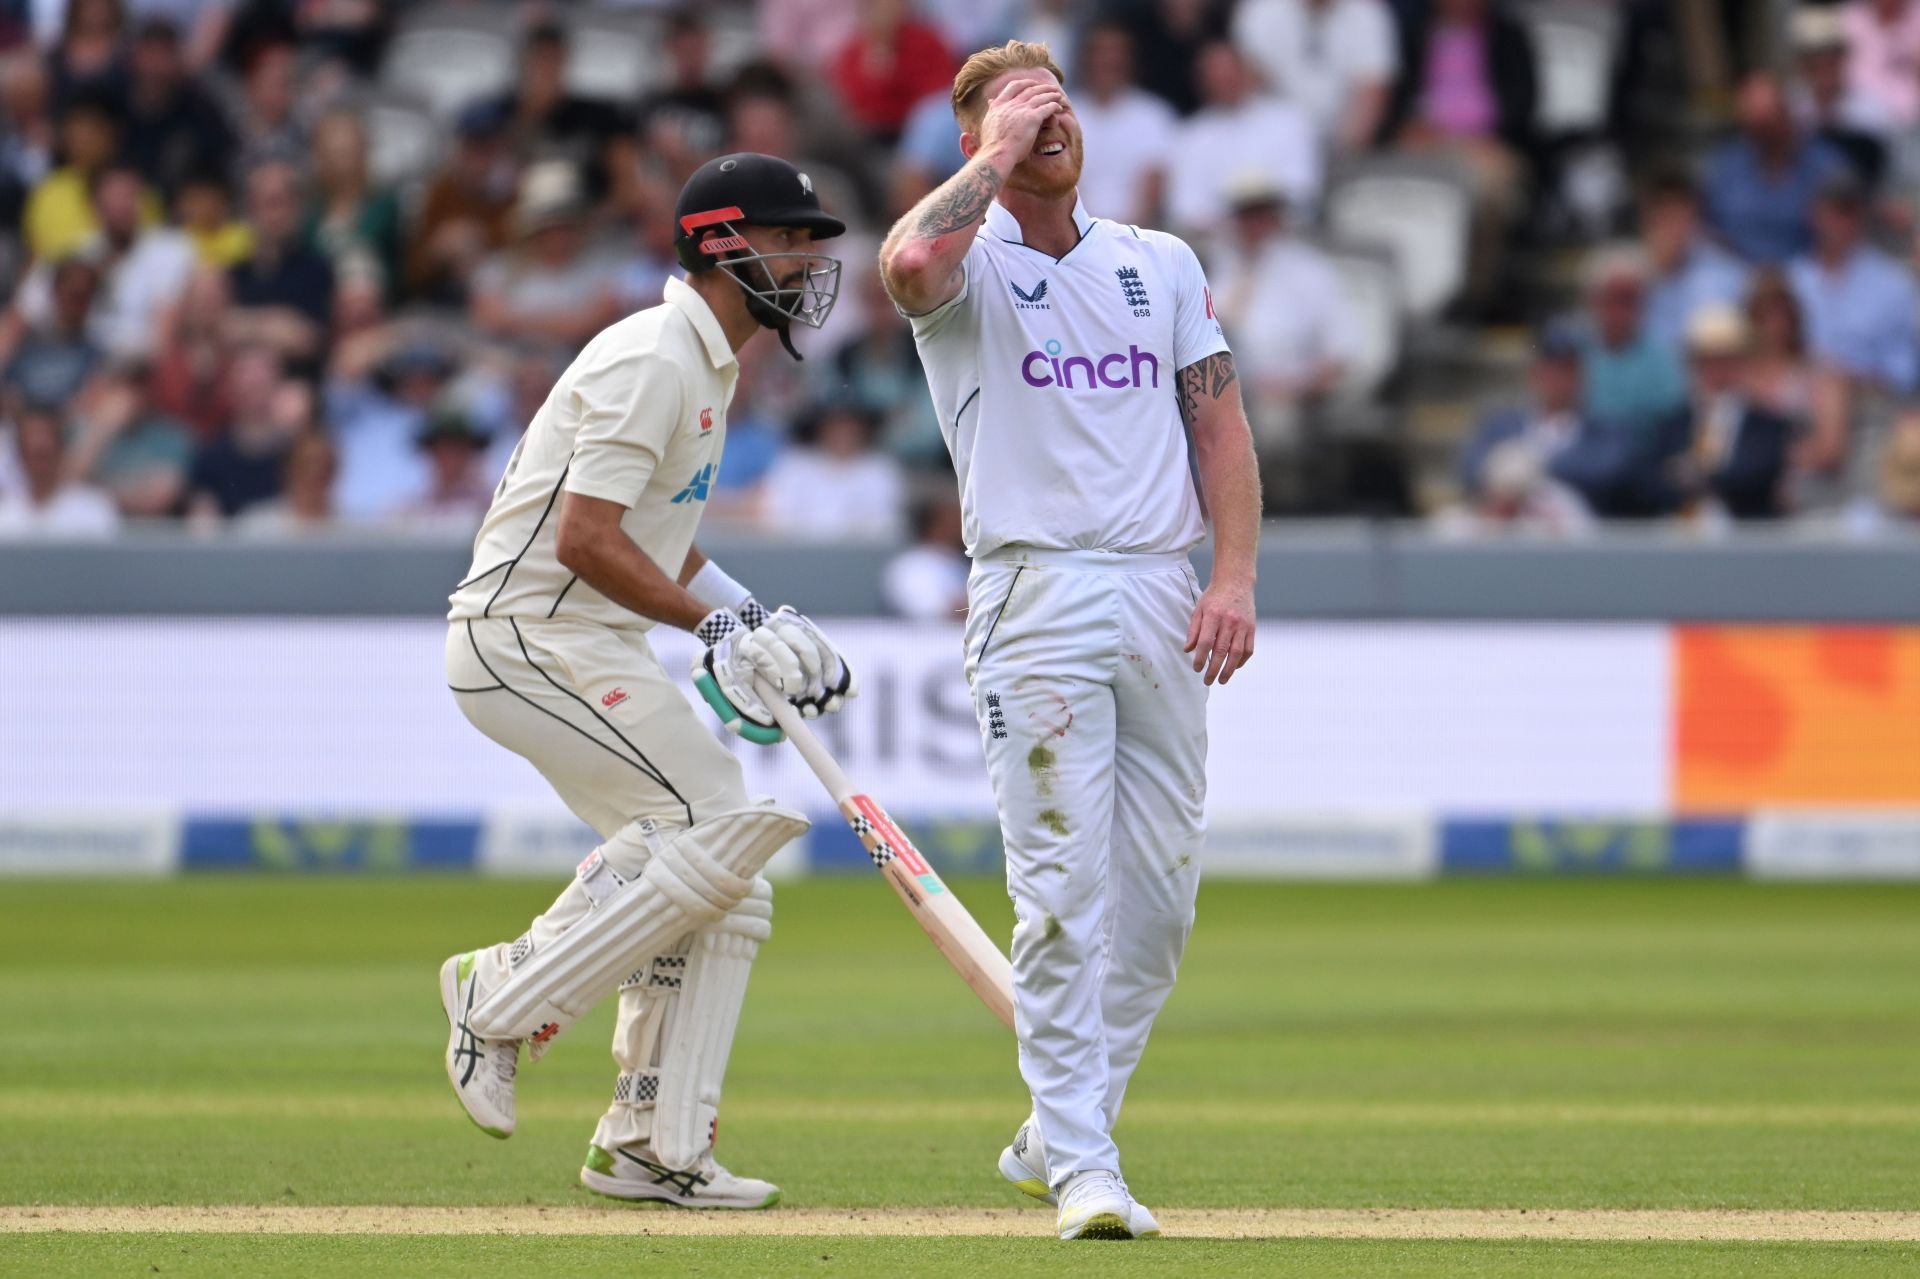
1055 382
638 418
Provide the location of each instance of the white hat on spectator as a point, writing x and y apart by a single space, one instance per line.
1717 329
1818 30
1253 189
550 195
1624 261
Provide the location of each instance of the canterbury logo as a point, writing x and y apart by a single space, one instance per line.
1039 291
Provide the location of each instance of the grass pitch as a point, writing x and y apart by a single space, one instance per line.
1565 1047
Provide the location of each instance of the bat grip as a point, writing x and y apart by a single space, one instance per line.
804 740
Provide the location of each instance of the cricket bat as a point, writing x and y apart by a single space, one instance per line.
954 932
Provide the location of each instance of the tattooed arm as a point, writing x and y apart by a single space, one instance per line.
921 260
1220 636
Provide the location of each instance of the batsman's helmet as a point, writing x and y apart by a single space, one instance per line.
732 192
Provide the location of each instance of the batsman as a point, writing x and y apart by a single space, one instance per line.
1071 361
589 543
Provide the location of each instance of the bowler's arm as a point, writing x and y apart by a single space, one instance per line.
591 543
1220 637
921 260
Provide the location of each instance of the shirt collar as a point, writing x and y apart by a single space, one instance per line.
680 294
1005 226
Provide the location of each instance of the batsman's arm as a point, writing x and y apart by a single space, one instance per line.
1220 637
590 542
921 260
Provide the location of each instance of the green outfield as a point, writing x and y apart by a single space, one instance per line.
1728 1060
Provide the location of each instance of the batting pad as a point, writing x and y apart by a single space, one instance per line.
677 1020
632 898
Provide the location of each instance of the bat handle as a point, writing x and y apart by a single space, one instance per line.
838 786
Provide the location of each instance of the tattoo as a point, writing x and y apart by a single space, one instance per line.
960 203
1209 377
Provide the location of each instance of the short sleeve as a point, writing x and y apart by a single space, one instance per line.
942 317
628 409
1196 330
1376 53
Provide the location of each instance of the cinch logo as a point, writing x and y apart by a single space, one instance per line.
1046 368
696 489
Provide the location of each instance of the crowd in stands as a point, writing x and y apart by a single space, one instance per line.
241 298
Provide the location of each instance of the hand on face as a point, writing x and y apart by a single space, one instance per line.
1019 113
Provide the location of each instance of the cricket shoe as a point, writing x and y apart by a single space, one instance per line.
480 1070
1095 1205
634 1174
1024 1163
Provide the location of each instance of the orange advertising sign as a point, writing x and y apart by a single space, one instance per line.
1789 716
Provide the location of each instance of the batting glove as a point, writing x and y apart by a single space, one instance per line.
725 671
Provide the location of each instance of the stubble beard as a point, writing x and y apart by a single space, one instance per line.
1049 184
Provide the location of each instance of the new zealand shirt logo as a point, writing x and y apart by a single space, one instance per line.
1132 289
696 489
1034 301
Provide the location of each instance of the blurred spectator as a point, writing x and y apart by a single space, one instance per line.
346 212
651 259
242 466
1688 269
47 503
967 25
878 368
1282 304
126 445
547 123
305 504
507 413
467 211
458 489
204 208
377 422
1721 456
1761 183
686 121
1516 494
1169 37
1127 133
1825 103
806 35
891 62
59 213
1588 459
202 25
1237 127
547 287
927 582
90 58
55 355
189 372
763 112
1467 88
143 268
27 132
1632 381
1336 59
173 126
834 483
285 289
1883 57
929 152
1816 400
1894 505
267 114
1859 303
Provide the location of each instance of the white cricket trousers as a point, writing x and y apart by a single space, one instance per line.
592 708
1094 723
